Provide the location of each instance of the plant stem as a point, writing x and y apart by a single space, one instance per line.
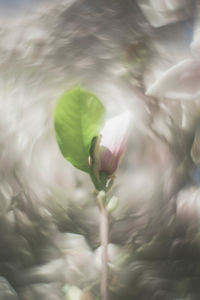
104 251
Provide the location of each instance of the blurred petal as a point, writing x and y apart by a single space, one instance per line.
179 82
188 208
195 150
195 44
160 5
72 292
163 12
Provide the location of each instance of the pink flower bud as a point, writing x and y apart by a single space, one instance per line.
113 142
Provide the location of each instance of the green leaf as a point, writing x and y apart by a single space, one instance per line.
78 118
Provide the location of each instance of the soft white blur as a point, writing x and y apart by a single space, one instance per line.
140 56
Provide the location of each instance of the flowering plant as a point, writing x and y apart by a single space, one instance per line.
79 117
94 149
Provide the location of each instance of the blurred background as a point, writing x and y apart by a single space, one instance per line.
141 56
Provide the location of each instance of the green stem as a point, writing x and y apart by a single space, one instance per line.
104 228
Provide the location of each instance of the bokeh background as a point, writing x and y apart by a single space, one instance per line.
141 56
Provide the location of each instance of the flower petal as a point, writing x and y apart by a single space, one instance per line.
195 44
163 12
113 141
115 132
108 161
179 82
